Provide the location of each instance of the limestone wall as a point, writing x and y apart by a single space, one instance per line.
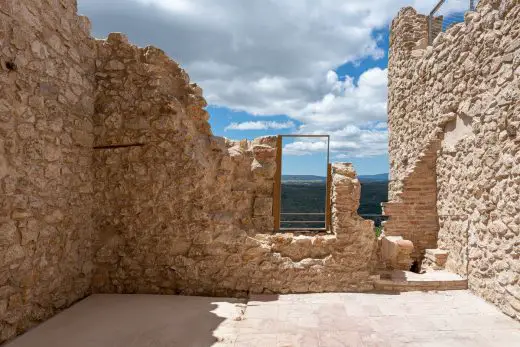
408 36
464 89
46 136
111 181
181 211
175 211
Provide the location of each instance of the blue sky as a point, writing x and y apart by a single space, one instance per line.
312 163
272 67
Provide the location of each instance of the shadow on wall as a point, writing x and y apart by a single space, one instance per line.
139 320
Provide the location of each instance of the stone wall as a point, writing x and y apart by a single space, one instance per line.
464 89
112 182
413 213
181 211
177 207
46 136
408 36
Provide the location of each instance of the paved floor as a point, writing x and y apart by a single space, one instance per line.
455 318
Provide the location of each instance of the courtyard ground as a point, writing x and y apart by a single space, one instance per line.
451 318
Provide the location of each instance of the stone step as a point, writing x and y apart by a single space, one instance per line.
406 281
396 251
434 259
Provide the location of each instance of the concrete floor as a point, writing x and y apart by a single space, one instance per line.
455 318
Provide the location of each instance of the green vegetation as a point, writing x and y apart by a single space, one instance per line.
307 194
372 194
303 197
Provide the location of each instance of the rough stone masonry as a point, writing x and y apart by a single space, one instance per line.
112 182
454 119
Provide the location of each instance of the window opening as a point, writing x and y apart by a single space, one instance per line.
302 186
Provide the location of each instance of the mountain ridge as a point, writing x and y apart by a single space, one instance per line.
383 177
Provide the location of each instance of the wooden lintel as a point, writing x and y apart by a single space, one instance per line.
277 189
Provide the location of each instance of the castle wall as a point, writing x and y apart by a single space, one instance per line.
46 136
182 211
414 215
464 90
111 181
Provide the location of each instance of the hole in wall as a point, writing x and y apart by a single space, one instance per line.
11 66
416 267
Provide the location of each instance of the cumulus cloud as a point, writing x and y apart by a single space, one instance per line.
260 125
349 142
269 57
348 103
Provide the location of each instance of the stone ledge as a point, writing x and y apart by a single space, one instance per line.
406 281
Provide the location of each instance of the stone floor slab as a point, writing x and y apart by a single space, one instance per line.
453 318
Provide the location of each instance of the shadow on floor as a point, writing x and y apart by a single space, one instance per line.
136 321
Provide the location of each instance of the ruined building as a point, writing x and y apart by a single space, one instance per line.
454 124
112 182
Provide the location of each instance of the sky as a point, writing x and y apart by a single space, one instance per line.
271 67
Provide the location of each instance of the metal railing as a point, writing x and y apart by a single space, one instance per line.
446 14
296 224
288 223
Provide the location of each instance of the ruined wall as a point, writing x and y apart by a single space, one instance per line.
408 35
466 87
181 211
111 181
173 212
46 107
414 138
413 215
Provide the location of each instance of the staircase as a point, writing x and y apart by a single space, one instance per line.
434 259
432 276
406 281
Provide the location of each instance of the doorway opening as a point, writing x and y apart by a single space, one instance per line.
302 184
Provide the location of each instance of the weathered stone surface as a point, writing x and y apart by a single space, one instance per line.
434 259
263 206
192 213
454 146
162 206
41 170
395 252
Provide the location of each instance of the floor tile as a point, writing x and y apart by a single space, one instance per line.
412 319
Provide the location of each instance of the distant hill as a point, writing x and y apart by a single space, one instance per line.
311 178
374 178
303 178
306 193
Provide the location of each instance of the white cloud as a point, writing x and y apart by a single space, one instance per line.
260 125
349 142
305 147
348 103
268 57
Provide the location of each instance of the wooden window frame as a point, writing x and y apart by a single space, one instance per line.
277 191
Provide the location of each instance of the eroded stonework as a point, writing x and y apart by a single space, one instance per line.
46 136
460 96
112 182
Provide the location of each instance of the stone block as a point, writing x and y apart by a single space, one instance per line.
264 153
265 170
263 206
396 252
117 38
